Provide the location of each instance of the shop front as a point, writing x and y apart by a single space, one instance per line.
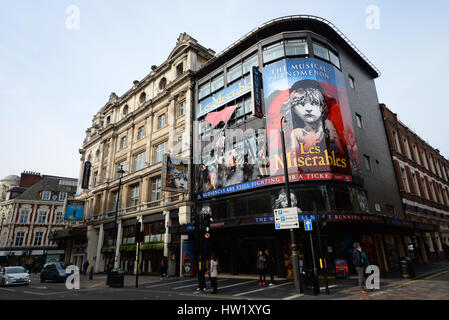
152 249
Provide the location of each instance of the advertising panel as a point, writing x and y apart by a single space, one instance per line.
175 174
320 142
74 210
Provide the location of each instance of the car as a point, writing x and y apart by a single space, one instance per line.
55 271
14 275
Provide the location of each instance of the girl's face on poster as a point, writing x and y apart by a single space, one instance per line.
307 108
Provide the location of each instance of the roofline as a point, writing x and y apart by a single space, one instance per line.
292 17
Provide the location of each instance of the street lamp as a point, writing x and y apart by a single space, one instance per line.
297 276
120 172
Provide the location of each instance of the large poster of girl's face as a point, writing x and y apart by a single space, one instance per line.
311 95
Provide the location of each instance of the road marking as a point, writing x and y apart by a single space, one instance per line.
331 286
294 296
436 275
37 293
237 284
39 287
6 289
96 285
214 296
276 286
167 283
195 284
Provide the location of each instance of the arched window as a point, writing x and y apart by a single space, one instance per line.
162 84
179 69
142 98
125 110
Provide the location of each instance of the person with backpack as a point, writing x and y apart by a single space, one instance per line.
359 264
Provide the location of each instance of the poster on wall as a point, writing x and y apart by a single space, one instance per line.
74 210
320 141
175 174
311 95
188 258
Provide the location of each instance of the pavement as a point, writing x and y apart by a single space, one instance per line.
431 282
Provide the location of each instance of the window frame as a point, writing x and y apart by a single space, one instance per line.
156 189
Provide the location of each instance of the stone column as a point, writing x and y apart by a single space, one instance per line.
92 245
139 218
166 235
99 246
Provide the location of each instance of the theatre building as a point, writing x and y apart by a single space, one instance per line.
423 178
304 69
133 132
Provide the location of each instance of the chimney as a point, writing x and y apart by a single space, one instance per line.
28 178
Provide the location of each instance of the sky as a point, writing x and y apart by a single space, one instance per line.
54 77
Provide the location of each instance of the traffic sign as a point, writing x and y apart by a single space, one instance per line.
308 225
286 218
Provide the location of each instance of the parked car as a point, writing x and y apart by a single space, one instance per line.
55 271
14 275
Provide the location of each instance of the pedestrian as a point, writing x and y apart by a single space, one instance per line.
270 266
164 267
85 266
261 267
357 261
36 268
213 273
200 271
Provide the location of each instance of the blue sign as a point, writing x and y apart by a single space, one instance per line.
264 220
74 210
224 96
190 228
303 217
308 225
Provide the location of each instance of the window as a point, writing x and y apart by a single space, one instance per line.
19 238
367 162
125 110
407 150
140 132
161 121
42 218
351 82
23 218
424 186
162 84
108 120
432 191
134 198
320 51
217 83
58 217
46 195
160 150
122 142
425 160
156 189
180 143
431 164
397 146
404 180
415 151
203 90
62 196
415 184
334 60
139 161
114 200
248 63
273 51
359 120
390 209
182 109
94 178
38 238
234 72
179 69
120 165
296 47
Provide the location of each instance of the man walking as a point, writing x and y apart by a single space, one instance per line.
357 261
85 267
261 267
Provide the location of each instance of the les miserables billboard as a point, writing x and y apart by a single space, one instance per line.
320 141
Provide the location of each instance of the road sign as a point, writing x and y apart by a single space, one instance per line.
286 218
308 225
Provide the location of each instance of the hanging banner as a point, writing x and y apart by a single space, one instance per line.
74 210
175 174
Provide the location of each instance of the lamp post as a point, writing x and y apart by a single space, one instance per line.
297 276
120 172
